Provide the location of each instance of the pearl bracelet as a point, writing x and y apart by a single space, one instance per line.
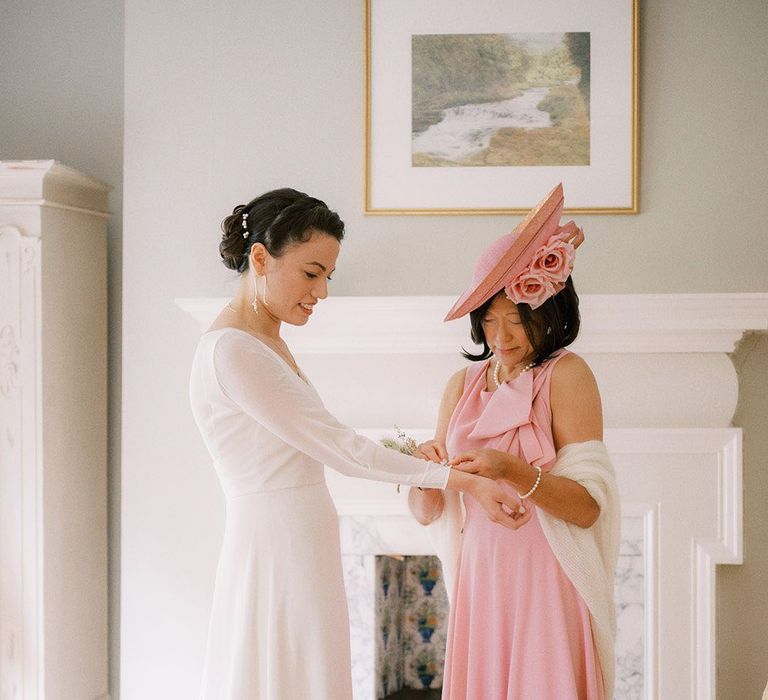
535 484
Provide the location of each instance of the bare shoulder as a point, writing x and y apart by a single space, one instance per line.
451 397
572 372
455 383
576 406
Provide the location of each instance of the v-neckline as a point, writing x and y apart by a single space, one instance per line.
300 374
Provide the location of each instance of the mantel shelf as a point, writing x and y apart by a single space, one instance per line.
611 323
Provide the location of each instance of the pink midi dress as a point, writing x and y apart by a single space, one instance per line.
518 628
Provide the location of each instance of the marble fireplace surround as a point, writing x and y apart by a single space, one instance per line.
669 390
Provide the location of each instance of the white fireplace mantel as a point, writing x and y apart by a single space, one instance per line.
669 390
611 323
668 352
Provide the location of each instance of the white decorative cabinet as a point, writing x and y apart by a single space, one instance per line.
53 433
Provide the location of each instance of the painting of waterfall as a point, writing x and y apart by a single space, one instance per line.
500 99
477 108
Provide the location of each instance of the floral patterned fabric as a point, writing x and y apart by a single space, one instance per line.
412 622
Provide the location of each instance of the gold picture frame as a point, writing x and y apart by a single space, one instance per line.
406 45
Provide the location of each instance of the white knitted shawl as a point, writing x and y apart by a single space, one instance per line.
588 556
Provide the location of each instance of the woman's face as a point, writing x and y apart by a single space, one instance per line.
299 278
505 333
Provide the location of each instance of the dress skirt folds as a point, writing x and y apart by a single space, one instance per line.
279 625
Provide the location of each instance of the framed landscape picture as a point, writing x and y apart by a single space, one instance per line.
479 108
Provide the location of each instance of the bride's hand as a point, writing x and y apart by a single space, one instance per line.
432 450
426 505
499 506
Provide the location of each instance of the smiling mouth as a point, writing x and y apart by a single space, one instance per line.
306 307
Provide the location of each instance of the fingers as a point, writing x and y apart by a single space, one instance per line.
441 451
463 457
432 451
471 463
522 518
507 511
501 517
427 452
512 519
469 467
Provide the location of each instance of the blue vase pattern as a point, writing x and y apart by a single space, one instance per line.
426 634
427 584
412 613
426 679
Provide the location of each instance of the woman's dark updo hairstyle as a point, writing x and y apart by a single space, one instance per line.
554 325
277 219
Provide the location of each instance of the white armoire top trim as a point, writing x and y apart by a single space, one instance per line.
48 183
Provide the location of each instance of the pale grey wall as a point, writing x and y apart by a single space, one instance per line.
61 97
271 93
224 100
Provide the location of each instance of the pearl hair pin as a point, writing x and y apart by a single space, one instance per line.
497 372
246 233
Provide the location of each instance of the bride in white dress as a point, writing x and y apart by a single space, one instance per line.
279 625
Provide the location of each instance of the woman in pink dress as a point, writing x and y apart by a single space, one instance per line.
531 609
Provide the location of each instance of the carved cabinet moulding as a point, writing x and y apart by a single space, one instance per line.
18 302
9 361
38 657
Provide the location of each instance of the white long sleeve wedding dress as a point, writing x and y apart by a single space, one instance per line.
279 625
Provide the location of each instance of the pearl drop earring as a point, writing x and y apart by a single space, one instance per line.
254 303
264 294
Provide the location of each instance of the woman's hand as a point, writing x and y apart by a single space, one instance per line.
493 464
433 451
499 506
426 505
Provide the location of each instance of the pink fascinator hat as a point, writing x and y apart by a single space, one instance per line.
531 264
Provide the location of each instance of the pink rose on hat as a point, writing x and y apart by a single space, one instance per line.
554 260
530 287
548 270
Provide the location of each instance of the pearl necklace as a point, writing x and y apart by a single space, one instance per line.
497 372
